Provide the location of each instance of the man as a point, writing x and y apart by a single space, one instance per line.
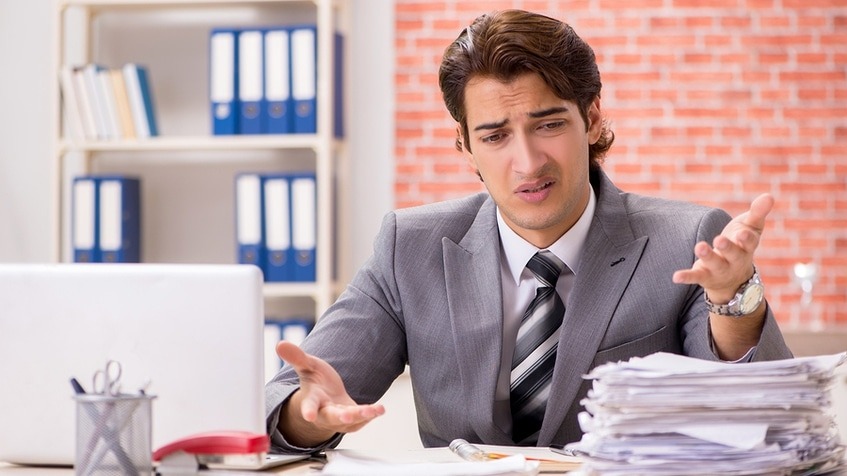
501 301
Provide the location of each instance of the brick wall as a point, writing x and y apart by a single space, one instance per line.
712 101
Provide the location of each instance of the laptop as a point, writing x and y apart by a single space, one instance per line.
194 331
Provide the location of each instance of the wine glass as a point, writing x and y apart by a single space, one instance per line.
806 274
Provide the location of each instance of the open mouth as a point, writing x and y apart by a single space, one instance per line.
538 188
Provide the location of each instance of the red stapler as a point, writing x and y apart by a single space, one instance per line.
218 450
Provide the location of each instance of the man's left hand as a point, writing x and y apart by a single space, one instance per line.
728 263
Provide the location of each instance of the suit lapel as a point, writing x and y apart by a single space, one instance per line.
609 258
476 312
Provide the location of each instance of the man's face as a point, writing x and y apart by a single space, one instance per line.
531 150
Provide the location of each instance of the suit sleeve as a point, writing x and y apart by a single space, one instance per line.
361 335
698 343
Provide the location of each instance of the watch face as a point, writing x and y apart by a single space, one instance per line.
751 298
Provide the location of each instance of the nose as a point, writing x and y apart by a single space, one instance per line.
527 157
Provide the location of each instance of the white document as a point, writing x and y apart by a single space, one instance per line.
341 464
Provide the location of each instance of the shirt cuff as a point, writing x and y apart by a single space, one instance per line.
280 445
747 357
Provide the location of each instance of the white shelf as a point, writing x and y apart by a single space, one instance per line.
234 142
209 153
282 290
115 4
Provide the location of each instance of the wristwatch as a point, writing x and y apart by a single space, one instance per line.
746 300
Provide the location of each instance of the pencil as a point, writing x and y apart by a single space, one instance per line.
528 458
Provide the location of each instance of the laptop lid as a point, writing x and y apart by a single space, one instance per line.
193 331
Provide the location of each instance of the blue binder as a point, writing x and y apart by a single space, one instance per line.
303 225
292 330
250 82
140 93
223 81
248 219
84 220
304 78
119 219
277 222
278 103
303 41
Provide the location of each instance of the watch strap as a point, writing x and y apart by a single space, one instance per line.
733 307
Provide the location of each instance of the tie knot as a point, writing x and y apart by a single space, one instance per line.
546 267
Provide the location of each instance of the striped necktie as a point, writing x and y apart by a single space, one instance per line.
535 350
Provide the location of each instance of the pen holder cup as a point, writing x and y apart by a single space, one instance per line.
113 435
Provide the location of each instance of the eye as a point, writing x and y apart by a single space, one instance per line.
552 126
492 138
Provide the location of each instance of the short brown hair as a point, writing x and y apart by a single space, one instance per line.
503 45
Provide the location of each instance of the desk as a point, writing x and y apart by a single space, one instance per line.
298 468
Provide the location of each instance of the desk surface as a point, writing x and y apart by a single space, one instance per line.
304 467
430 455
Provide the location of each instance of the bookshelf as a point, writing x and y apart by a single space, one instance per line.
188 210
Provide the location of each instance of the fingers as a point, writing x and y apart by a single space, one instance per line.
292 354
759 210
731 251
338 417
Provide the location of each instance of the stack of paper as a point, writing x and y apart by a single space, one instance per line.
667 414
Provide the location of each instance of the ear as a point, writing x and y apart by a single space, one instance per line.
465 152
595 121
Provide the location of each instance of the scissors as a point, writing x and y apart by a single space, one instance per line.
108 379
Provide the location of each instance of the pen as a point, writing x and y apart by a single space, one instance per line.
467 451
77 386
528 458
563 450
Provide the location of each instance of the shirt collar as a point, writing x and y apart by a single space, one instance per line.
567 248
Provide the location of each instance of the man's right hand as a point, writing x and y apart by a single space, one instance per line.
321 407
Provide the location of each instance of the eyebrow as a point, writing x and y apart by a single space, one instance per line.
548 112
534 115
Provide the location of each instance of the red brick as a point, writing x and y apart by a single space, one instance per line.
618 5
736 132
699 58
715 150
663 59
806 19
716 41
698 168
698 22
771 58
768 41
734 22
706 4
813 76
665 22
677 41
835 40
804 4
627 59
775 21
664 95
702 131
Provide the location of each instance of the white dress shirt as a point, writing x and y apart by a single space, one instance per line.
519 285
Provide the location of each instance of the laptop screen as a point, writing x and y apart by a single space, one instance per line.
194 332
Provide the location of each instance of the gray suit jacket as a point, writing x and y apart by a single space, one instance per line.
430 296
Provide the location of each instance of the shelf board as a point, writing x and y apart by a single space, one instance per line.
96 4
280 290
168 143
